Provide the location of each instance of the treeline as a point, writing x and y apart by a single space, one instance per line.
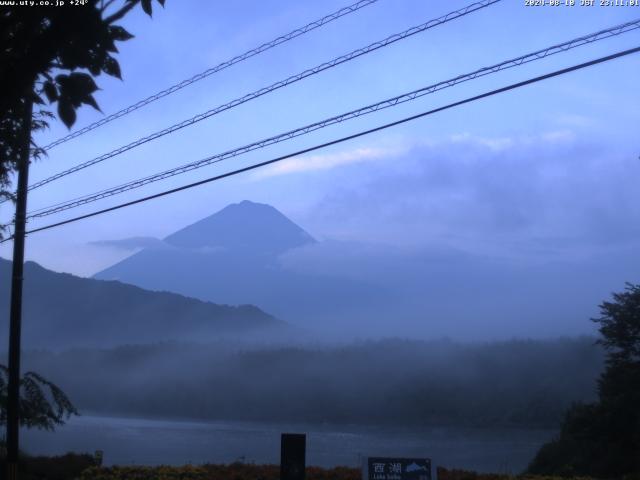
400 382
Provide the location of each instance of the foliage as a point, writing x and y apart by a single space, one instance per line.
53 53
43 405
82 467
64 467
603 439
239 471
620 327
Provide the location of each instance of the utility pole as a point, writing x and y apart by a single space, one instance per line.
15 319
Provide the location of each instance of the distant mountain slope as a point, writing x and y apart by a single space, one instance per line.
62 310
246 226
232 257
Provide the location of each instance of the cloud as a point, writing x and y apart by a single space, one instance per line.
136 243
129 244
373 262
555 194
495 144
575 120
445 291
324 161
558 136
504 144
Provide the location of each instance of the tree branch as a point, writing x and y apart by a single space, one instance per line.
106 5
122 12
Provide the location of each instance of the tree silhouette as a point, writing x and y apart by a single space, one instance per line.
42 404
50 55
603 439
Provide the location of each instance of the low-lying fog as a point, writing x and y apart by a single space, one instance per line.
387 382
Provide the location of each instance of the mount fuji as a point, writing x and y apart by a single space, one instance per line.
233 257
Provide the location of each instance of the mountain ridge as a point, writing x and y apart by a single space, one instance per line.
63 310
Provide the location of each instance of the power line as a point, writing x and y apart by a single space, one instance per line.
343 139
275 86
406 97
222 66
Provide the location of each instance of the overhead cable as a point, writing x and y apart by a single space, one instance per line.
275 86
390 102
218 68
340 140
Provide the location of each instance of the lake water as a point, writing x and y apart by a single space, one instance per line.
130 441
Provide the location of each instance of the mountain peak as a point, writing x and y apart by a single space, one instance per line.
245 226
249 203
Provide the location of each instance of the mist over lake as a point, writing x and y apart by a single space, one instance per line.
486 407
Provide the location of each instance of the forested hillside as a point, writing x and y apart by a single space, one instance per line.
62 311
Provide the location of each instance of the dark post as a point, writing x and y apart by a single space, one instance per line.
293 456
15 319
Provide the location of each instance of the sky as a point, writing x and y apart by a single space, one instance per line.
541 174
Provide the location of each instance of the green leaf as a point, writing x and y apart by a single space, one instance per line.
62 81
146 6
37 99
120 34
50 91
111 67
89 100
83 82
94 69
66 112
112 47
